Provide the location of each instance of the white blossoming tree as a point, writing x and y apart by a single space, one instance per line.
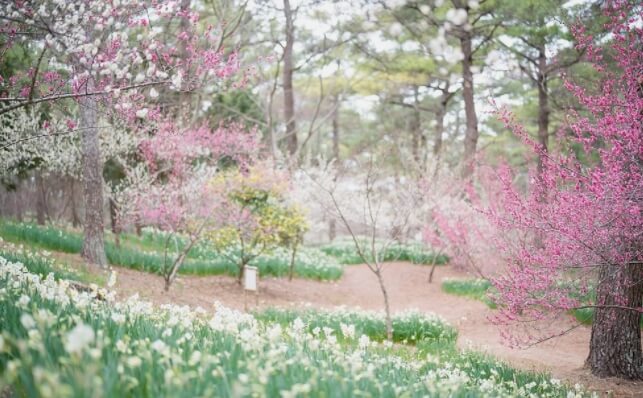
97 61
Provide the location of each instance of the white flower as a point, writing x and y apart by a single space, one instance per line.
79 337
298 325
473 4
194 358
23 301
364 341
142 113
118 318
154 93
112 279
27 321
348 331
134 362
177 79
158 346
396 29
121 346
457 16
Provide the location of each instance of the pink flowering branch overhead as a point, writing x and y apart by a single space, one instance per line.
120 53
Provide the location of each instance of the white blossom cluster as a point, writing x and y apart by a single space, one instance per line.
112 348
53 146
83 30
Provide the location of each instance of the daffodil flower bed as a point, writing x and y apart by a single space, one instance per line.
146 253
345 252
408 327
58 342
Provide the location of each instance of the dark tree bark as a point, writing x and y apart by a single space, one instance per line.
416 129
113 218
289 97
387 307
336 129
332 226
75 218
615 344
471 133
92 168
543 104
18 205
41 206
440 113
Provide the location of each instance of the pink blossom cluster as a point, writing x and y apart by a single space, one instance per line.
583 211
120 51
179 165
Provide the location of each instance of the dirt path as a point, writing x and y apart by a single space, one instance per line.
407 286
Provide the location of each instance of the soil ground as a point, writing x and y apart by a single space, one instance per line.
408 288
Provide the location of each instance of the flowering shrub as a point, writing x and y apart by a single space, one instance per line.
252 216
56 341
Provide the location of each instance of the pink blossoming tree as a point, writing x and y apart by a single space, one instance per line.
170 189
97 61
575 240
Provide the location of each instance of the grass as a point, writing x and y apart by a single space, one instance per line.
345 252
56 342
477 289
408 328
480 289
146 253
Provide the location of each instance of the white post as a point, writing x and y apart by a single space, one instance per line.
250 283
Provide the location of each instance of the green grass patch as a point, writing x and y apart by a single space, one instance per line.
477 289
345 252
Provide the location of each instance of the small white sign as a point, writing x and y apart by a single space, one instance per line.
250 278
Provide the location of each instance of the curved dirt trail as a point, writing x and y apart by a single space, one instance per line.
407 286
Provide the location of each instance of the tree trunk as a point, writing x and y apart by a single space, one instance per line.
439 120
336 129
113 218
416 129
75 218
615 344
40 199
387 308
543 105
169 277
242 268
434 263
471 133
18 205
289 98
332 226
93 244
293 257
